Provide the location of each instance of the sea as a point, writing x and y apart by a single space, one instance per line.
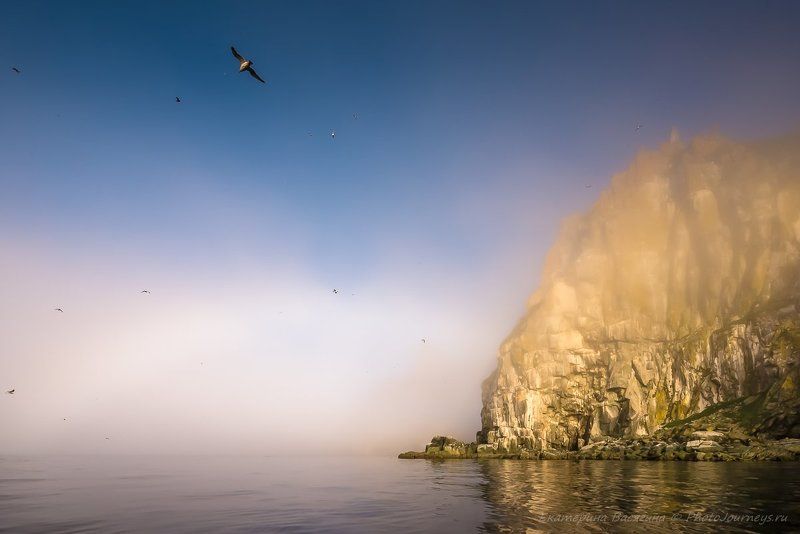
197 494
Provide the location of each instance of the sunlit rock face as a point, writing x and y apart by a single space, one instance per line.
678 290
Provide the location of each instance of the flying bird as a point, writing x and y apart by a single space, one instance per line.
335 291
11 391
423 340
59 310
144 291
177 99
246 64
16 70
638 126
333 134
355 116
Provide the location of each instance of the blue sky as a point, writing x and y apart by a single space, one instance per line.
479 125
449 96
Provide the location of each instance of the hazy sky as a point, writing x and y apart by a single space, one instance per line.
479 126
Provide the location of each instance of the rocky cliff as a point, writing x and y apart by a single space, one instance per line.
678 292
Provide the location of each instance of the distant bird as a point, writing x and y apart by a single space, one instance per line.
59 310
16 70
333 134
423 340
108 438
11 391
310 134
246 64
355 116
335 291
144 291
638 126
178 99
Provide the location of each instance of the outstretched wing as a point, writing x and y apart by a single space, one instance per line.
236 55
254 75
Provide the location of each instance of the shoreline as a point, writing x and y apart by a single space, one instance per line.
703 446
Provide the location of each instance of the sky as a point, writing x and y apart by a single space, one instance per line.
465 131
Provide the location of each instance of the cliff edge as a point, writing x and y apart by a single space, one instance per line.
672 307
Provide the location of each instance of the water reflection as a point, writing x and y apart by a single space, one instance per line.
611 496
357 494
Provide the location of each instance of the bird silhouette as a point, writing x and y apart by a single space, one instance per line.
423 340
178 99
11 391
335 291
333 134
144 291
638 126
59 310
16 70
246 64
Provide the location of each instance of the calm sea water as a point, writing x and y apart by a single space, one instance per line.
357 494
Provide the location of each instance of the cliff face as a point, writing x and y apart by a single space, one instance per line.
677 291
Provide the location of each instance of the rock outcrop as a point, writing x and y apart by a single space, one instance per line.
682 445
678 292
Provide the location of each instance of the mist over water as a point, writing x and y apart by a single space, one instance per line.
478 129
253 315
195 494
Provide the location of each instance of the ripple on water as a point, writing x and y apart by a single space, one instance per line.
256 494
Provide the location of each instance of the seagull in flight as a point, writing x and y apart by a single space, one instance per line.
144 291
59 310
423 340
333 134
11 391
16 70
335 291
177 100
638 126
246 64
